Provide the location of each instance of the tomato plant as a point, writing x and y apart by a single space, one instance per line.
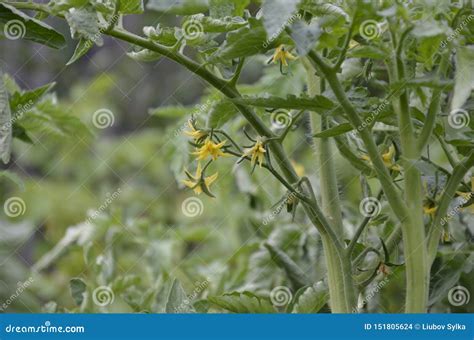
331 150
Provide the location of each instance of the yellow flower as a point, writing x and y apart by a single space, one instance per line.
209 148
429 209
281 55
387 158
193 132
467 196
199 183
256 152
445 236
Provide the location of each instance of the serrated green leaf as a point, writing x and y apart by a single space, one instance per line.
244 302
221 112
84 23
277 14
247 41
291 102
310 299
178 301
294 273
23 101
131 6
227 8
23 26
305 36
82 47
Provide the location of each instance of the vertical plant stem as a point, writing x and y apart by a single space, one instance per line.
413 229
341 287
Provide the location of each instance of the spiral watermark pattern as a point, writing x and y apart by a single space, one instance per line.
281 118
103 296
192 207
14 207
370 207
14 29
103 118
370 29
458 119
280 296
458 296
192 29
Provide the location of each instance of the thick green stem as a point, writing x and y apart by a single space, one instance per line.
341 287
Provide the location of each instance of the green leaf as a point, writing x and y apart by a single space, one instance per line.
178 7
310 299
294 273
144 55
305 36
214 25
464 80
84 23
364 51
78 289
23 101
244 302
276 15
227 8
247 41
335 131
21 25
5 123
131 6
178 301
221 112
291 102
82 47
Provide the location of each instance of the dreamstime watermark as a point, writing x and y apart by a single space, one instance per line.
198 110
103 296
290 196
370 29
275 35
18 114
103 118
110 197
46 328
281 296
370 207
456 210
192 207
458 296
21 287
370 295
458 119
457 31
281 118
14 207
372 116
14 29
199 287
192 29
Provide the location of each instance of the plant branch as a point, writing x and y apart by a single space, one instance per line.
436 227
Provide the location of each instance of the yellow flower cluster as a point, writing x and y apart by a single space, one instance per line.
207 149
